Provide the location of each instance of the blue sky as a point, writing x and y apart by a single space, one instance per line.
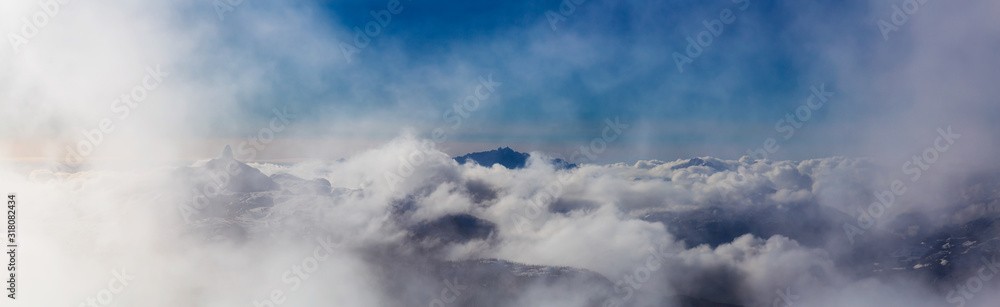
604 60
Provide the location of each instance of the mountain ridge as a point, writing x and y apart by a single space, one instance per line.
508 158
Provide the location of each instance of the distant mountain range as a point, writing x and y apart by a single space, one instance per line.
507 158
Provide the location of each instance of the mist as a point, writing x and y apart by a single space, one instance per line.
230 153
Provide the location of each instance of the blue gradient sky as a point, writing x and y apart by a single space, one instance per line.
606 59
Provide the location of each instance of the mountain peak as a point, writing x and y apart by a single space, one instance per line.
502 155
506 157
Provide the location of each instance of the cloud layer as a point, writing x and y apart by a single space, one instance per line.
222 233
